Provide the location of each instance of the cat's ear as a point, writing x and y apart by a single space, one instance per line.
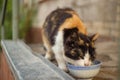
94 37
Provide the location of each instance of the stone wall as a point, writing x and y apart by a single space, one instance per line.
102 16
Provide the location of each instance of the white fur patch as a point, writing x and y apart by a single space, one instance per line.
58 47
87 61
58 50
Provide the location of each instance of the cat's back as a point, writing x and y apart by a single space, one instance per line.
61 19
56 18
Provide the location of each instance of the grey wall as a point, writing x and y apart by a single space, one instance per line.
102 16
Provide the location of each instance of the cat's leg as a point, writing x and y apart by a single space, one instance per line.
49 52
59 58
58 50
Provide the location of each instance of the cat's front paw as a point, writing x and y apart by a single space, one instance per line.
64 68
47 56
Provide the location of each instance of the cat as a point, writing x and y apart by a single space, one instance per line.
65 36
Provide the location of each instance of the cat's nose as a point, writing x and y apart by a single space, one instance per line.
86 64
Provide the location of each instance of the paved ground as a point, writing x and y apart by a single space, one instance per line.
107 53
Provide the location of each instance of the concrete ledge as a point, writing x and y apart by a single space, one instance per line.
26 66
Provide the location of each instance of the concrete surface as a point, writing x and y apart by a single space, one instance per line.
26 66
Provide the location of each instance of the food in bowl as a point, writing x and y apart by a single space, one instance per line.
84 72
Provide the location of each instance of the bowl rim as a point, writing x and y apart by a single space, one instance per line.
98 63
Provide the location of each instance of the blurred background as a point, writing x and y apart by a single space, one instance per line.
102 16
99 16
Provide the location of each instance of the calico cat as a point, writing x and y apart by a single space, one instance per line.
65 36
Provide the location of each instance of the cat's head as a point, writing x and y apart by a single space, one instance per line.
79 48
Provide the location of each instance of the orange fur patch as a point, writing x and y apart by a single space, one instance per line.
74 22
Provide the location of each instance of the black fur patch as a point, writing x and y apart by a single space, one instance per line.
71 47
54 21
70 34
